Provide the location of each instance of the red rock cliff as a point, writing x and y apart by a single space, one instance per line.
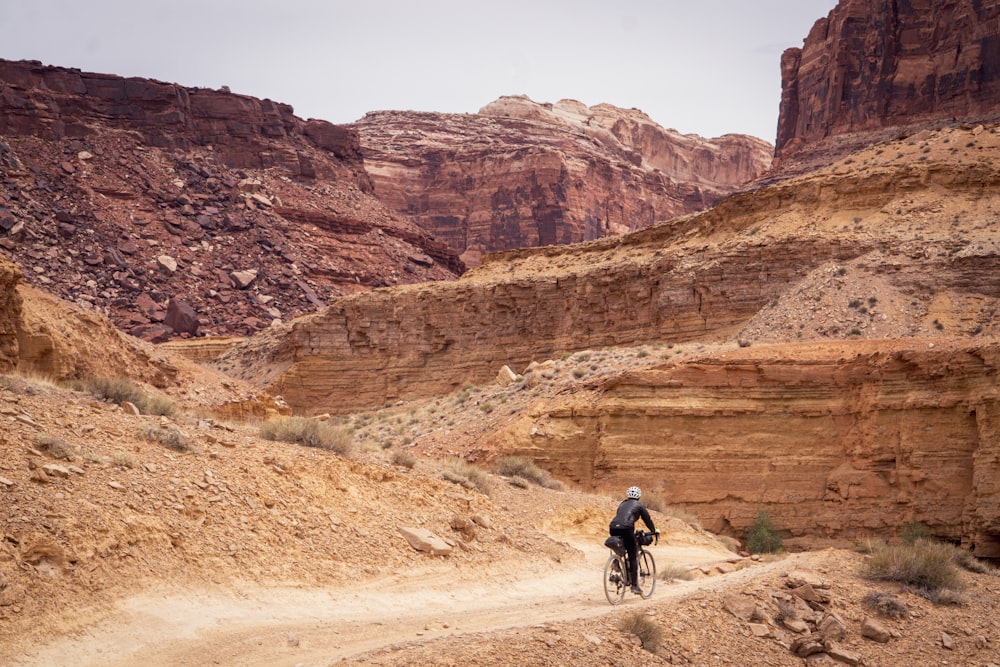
875 64
521 174
181 211
54 103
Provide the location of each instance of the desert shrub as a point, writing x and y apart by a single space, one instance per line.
405 459
885 604
925 565
967 561
649 633
56 447
762 536
171 436
459 471
123 460
119 390
308 432
914 531
869 545
670 571
523 467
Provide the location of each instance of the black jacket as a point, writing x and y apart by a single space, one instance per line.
629 511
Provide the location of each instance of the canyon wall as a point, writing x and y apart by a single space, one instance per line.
522 174
55 103
876 64
182 212
834 441
707 276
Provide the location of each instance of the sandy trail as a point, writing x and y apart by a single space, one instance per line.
306 627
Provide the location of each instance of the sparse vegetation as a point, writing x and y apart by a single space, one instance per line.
403 458
885 604
120 390
762 536
914 531
926 566
524 468
308 432
458 471
123 460
671 571
171 436
57 448
638 624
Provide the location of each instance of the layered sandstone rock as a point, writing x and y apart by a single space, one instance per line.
521 174
876 64
832 441
756 266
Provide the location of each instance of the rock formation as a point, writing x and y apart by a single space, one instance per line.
10 315
123 194
876 64
521 174
838 440
757 265
876 247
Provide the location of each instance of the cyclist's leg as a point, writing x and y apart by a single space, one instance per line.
633 558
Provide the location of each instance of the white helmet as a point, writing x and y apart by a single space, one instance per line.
634 492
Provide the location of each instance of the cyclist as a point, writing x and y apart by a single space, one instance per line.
623 526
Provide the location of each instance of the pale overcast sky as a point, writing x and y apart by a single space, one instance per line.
700 66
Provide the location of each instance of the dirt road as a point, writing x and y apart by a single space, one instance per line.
255 626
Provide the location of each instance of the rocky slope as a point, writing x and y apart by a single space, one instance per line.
874 65
181 211
521 174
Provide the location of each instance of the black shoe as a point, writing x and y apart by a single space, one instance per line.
637 590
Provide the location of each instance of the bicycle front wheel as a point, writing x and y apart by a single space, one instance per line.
614 579
647 574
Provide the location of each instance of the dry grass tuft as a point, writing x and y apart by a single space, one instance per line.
170 436
458 471
926 566
649 633
308 432
57 448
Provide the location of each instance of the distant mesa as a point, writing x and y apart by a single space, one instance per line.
522 174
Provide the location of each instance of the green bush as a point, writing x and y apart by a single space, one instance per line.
926 566
308 432
762 536
649 633
914 531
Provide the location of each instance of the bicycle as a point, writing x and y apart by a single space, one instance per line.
616 574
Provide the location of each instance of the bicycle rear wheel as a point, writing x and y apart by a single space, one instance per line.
647 574
614 579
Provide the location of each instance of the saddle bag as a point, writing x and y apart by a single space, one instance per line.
616 544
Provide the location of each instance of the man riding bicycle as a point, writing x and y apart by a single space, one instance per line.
623 526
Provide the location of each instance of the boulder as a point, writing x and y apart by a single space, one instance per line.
424 540
181 317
